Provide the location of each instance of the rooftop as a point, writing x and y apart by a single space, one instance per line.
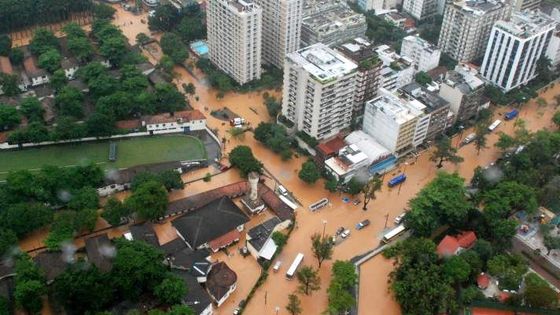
431 100
52 263
331 147
197 298
450 244
368 145
182 116
426 45
323 63
526 24
210 221
100 252
360 51
479 7
181 257
220 279
259 234
144 232
5 65
399 109
243 5
464 78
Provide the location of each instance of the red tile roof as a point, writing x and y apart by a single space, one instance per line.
503 296
489 311
224 240
5 65
332 146
483 280
129 124
448 246
466 239
187 115
220 279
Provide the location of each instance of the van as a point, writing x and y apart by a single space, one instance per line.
283 191
494 125
277 266
469 138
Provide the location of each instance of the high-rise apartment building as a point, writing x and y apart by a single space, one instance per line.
522 5
424 54
234 38
514 48
378 5
331 23
318 94
420 9
466 27
399 124
397 71
282 29
363 54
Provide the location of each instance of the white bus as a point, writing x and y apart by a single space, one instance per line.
393 233
290 273
494 125
319 204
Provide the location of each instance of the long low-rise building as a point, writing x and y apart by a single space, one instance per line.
184 121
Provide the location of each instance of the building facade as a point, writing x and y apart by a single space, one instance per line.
424 54
397 71
521 5
234 38
330 23
378 5
282 31
363 54
466 27
318 94
463 88
396 123
514 48
420 9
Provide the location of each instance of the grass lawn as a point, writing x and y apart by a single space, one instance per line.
130 152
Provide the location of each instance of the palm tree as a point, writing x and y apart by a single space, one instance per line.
370 188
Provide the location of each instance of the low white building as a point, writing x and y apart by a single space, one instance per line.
380 159
397 71
184 121
349 161
70 67
424 54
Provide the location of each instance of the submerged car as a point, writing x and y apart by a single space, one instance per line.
362 224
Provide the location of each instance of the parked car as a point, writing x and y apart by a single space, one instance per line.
340 230
399 218
345 233
356 202
363 224
277 266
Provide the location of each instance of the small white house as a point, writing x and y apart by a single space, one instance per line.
183 121
36 75
222 281
70 67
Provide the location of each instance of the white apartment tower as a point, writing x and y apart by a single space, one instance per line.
514 48
318 95
282 31
466 27
234 38
397 123
420 9
424 54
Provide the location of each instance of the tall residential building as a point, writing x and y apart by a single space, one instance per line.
420 9
282 29
514 48
330 22
378 5
363 54
234 38
397 71
424 54
397 123
463 88
466 27
522 5
318 95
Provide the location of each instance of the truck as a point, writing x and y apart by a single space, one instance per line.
511 115
237 122
469 138
397 180
494 125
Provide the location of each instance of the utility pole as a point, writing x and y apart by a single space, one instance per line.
386 219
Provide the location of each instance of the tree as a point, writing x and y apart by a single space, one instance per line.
31 108
69 102
279 239
423 78
242 158
83 290
149 200
118 105
100 125
66 128
294 305
103 11
166 64
509 269
9 117
23 218
114 49
137 268
5 45
551 242
28 295
142 39
171 290
543 69
171 179
457 269
308 279
84 198
331 184
440 202
114 211
165 18
180 310
556 118
168 98
369 190
445 152
344 278
62 229
309 172
192 26
354 186
275 137
10 84
16 56
538 292
8 241
42 41
480 140
172 45
50 60
322 248
505 142
81 48
189 88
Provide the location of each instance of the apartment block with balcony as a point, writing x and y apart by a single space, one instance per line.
420 10
234 38
424 54
466 27
318 92
362 52
514 48
397 71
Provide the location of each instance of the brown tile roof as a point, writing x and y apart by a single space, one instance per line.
187 115
332 146
483 280
6 65
448 246
129 124
220 279
224 240
466 239
100 252
30 65
437 72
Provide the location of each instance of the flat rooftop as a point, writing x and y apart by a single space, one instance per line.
399 109
243 5
526 24
322 62
431 100
424 44
479 7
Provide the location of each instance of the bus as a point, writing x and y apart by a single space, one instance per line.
397 180
293 268
494 125
389 236
319 204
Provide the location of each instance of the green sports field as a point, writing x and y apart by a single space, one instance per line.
130 152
